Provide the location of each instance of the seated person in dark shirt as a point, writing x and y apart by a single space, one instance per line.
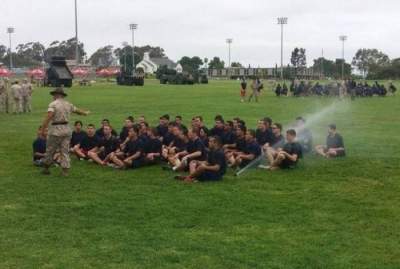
264 132
129 122
100 131
178 145
197 123
228 136
39 147
238 146
277 143
334 144
218 129
168 139
195 150
162 127
250 153
179 123
152 148
107 145
77 135
130 154
211 170
203 136
142 132
89 142
304 135
290 153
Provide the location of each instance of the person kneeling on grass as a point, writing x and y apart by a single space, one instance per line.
39 147
108 144
195 150
334 144
131 154
251 151
89 142
211 170
289 155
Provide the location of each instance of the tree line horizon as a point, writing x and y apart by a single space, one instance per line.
370 63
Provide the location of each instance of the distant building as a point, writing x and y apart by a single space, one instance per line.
150 65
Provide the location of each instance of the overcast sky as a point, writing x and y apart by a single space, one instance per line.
190 27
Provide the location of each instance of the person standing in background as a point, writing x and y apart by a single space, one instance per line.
26 95
16 94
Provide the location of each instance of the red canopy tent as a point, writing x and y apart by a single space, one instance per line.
4 72
80 72
37 73
104 72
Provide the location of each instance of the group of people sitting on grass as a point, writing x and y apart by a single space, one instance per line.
345 88
203 153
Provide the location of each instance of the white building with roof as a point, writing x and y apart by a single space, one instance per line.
150 65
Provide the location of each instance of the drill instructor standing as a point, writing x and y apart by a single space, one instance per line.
59 132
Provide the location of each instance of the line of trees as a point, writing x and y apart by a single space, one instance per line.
370 63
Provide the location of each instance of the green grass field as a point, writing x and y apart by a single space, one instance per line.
341 213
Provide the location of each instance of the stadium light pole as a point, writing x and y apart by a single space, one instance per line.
76 34
282 21
343 38
10 30
229 42
133 27
124 45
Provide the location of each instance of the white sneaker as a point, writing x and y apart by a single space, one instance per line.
266 167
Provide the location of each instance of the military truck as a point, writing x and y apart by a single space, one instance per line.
170 76
58 74
128 79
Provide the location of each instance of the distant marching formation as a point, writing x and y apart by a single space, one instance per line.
341 89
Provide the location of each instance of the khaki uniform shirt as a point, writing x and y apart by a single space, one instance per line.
2 87
26 89
62 110
16 91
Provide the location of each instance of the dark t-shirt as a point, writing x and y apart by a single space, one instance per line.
153 146
111 144
162 130
264 136
39 146
133 146
179 144
168 138
100 133
217 131
77 137
89 142
124 133
240 144
292 148
335 141
253 148
228 138
217 157
196 145
278 142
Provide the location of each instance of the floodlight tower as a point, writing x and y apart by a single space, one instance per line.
10 30
124 45
229 42
133 27
76 34
343 38
282 21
